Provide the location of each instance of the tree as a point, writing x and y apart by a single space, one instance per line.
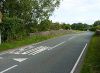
42 9
0 17
25 16
45 25
95 26
1 10
96 23
29 10
55 26
98 27
66 26
79 26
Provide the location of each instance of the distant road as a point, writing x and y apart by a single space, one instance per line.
57 55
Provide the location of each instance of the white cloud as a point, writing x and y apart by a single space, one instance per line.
70 11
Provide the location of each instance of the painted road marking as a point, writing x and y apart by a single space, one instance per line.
71 38
1 57
2 54
20 59
22 49
31 49
42 48
57 45
34 51
8 69
73 69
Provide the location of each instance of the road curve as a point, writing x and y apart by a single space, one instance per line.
57 55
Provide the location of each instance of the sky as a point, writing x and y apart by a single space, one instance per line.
75 11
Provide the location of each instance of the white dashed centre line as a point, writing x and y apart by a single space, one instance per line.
1 57
57 45
8 69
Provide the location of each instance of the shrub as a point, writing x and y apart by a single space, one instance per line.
98 27
12 29
92 29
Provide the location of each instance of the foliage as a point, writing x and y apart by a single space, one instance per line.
20 17
30 40
55 26
66 26
92 29
79 26
98 27
92 59
42 9
96 23
12 28
45 25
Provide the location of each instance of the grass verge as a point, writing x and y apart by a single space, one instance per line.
29 40
23 42
92 60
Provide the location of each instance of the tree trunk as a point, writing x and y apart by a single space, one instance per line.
0 17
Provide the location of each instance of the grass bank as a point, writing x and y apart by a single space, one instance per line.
92 59
23 42
29 40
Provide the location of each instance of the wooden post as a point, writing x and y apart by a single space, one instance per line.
0 22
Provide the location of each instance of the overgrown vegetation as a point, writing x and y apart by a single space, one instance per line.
80 26
95 26
23 42
31 40
92 59
20 17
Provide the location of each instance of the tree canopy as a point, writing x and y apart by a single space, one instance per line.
96 23
24 16
79 26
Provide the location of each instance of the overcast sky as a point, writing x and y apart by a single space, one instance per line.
74 11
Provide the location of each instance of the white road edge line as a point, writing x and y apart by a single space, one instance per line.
73 69
8 69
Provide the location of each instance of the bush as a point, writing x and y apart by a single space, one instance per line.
66 26
98 27
92 29
45 25
12 29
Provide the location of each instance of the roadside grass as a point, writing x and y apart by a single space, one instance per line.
92 60
29 40
23 42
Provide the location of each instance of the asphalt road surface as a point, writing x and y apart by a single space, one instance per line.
57 55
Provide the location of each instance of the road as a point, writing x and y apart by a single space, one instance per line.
57 55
